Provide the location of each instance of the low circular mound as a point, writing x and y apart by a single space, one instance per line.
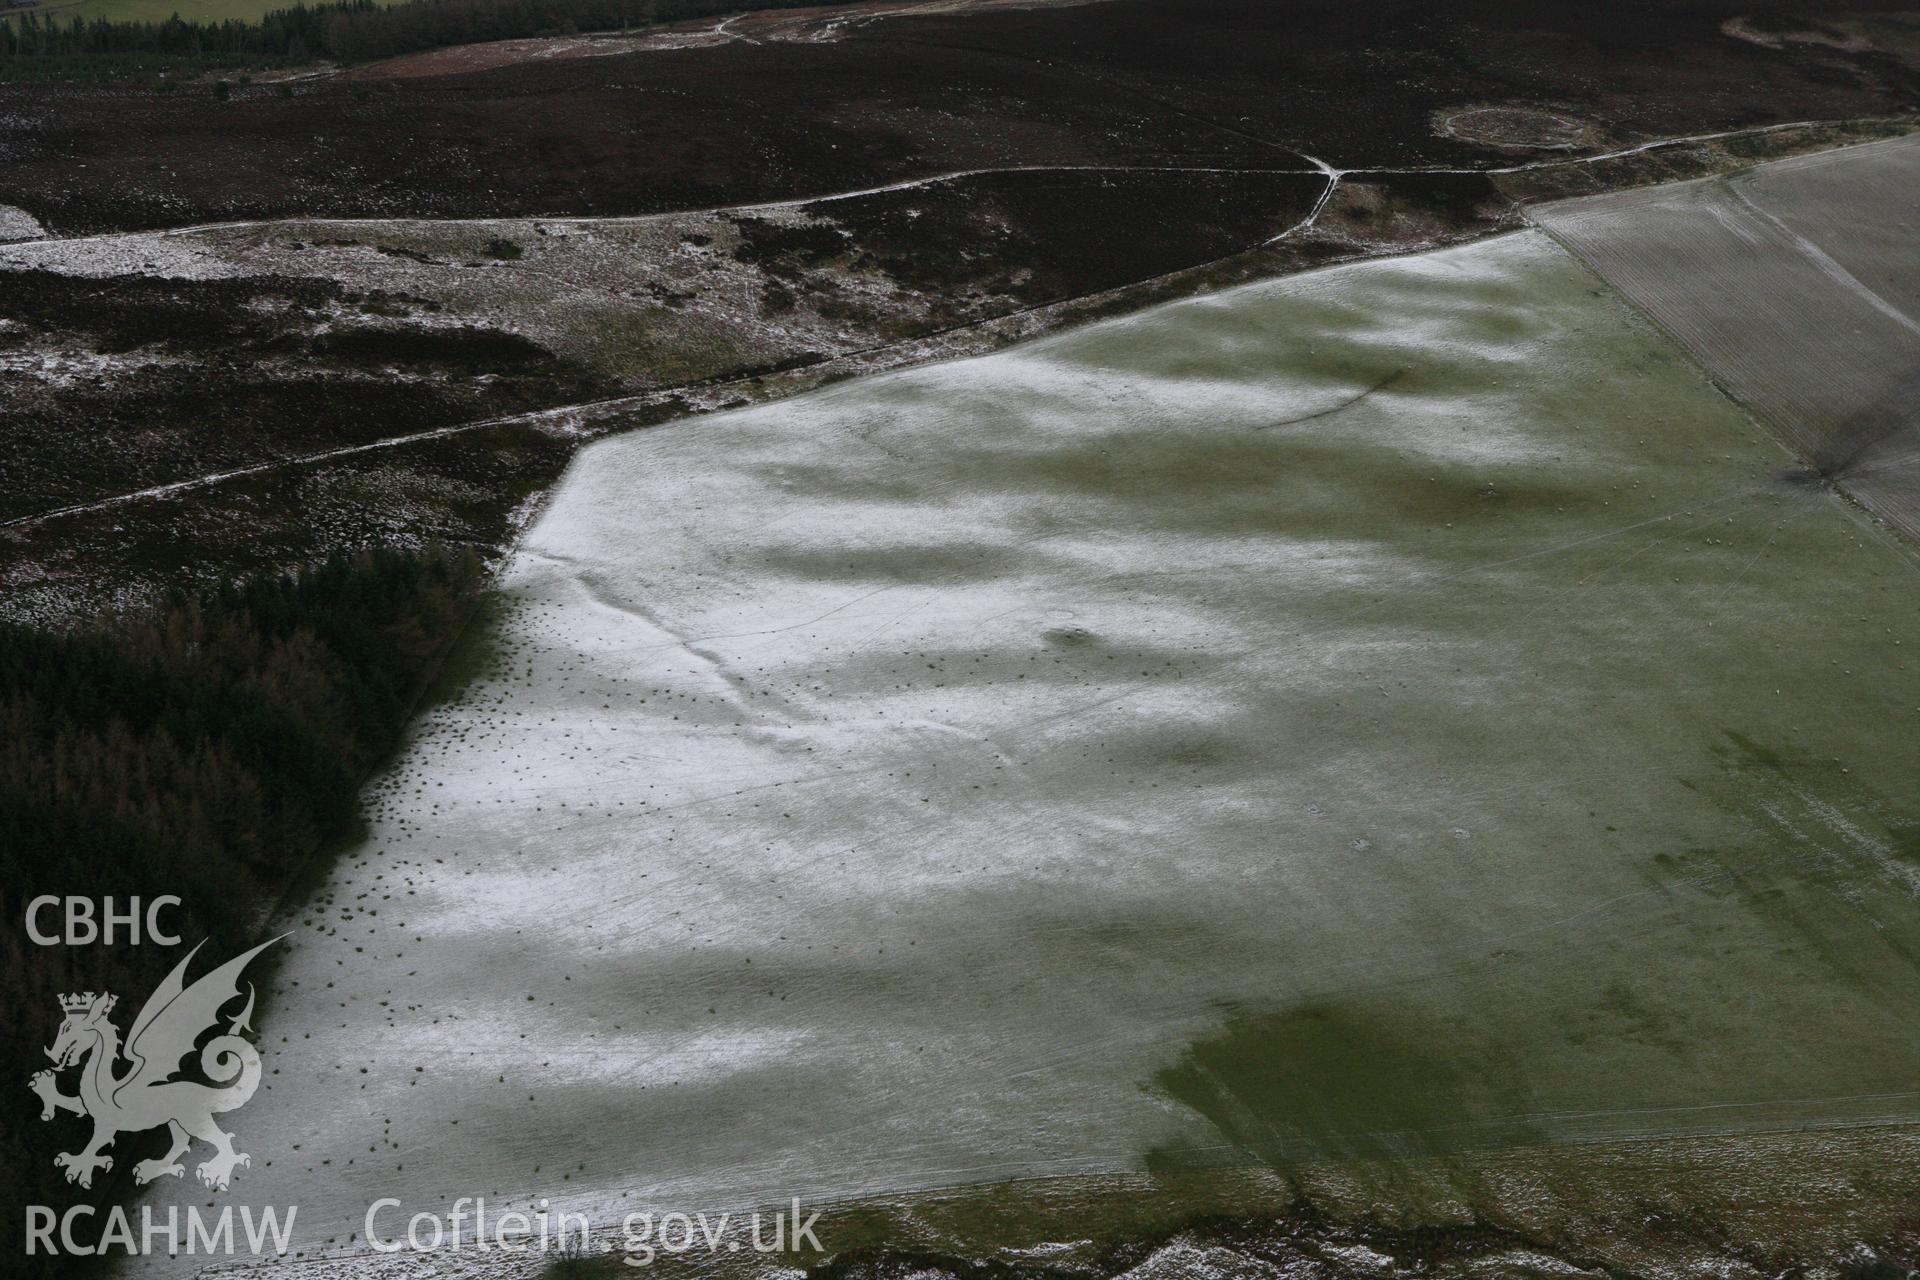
1512 127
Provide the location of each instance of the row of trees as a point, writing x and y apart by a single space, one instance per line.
343 30
205 750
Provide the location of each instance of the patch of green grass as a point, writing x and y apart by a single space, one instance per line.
1328 1077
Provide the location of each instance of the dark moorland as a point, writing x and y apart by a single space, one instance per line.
1239 82
1133 149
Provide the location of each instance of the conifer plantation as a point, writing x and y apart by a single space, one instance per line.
206 749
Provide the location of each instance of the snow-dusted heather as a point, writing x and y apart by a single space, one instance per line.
883 788
657 300
61 368
18 224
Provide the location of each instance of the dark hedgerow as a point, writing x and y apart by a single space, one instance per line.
205 749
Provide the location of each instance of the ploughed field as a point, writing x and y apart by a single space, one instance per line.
1398 711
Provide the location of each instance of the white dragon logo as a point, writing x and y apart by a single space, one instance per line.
145 1096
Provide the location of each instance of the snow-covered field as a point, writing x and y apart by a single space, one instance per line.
1392 709
1797 284
18 224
